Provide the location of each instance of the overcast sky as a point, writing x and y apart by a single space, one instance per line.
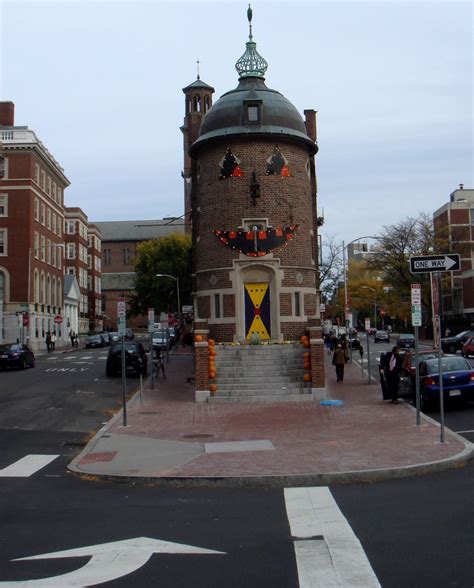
101 85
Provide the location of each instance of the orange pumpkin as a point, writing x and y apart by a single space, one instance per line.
307 344
198 338
212 352
306 355
213 388
212 374
211 342
307 366
303 338
307 378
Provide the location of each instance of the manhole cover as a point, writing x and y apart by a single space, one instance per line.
202 436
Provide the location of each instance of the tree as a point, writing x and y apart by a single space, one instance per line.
330 268
396 244
165 255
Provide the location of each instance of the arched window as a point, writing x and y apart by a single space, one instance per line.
53 292
206 103
42 290
36 295
48 289
2 287
197 103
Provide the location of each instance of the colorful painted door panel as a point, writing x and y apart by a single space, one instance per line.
257 310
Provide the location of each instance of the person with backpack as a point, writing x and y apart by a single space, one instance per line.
392 367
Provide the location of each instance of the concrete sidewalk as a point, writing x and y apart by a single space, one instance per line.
169 439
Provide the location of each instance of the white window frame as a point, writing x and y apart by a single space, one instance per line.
71 251
4 242
37 209
4 204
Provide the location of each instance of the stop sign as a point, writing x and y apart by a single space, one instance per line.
58 319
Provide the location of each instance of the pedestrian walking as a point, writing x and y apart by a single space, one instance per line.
72 336
76 340
392 369
339 361
53 341
48 341
327 342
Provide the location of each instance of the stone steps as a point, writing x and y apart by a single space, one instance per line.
267 373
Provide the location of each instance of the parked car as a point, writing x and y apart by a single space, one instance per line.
458 380
454 344
16 355
468 347
406 341
381 336
408 375
94 341
114 337
105 338
161 340
129 336
135 358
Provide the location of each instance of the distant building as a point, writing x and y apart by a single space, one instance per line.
32 185
120 240
454 221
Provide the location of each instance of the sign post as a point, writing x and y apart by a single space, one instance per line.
433 264
151 328
121 332
416 322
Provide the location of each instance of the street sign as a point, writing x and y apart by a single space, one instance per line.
435 263
58 319
121 307
416 305
367 324
151 320
121 326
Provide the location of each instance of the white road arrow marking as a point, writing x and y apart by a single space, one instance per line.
328 554
27 466
109 561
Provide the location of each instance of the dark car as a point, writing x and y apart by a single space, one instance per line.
468 347
161 340
106 338
94 341
454 344
114 337
406 341
135 358
381 336
458 381
408 375
16 355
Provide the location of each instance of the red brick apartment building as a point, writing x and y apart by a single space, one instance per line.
82 260
32 185
120 240
454 221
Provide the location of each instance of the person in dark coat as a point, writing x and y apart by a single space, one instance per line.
392 370
339 361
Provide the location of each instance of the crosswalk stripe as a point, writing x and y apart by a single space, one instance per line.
27 466
328 554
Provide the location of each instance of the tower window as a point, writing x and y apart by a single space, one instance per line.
297 304
217 305
252 112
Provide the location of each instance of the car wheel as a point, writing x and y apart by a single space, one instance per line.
32 364
23 364
452 349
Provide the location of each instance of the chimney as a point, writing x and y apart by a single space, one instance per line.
461 186
7 114
310 123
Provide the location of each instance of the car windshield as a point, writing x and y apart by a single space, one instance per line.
118 347
13 347
448 364
407 336
423 357
93 337
380 332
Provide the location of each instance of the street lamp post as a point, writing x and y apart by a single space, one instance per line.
375 303
177 290
344 247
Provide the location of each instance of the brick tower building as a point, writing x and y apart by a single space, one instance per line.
254 212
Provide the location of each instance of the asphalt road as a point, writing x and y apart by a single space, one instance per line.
415 532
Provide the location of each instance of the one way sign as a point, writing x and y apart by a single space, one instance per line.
435 263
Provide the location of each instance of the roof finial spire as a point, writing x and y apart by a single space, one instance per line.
197 64
251 64
249 17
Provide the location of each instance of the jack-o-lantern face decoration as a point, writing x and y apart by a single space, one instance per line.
277 164
257 243
230 166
